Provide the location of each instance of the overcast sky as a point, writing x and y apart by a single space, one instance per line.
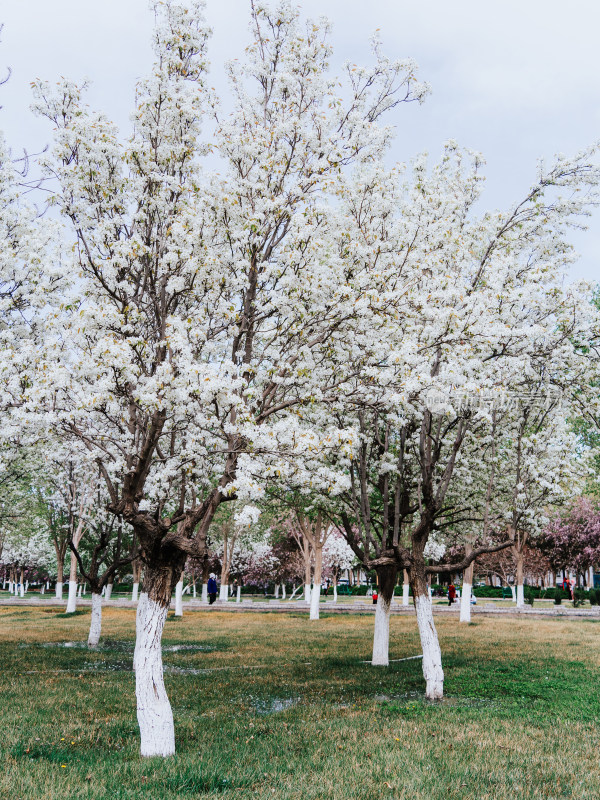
516 80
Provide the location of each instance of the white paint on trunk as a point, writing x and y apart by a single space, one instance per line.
204 596
465 603
405 594
315 602
238 597
520 596
179 598
432 655
513 592
223 591
22 589
334 593
72 601
139 620
79 591
108 591
307 592
381 634
283 593
26 586
154 713
194 590
276 591
134 592
96 623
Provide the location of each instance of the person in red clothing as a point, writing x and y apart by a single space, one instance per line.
451 594
374 597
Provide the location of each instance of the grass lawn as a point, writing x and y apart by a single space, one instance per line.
274 706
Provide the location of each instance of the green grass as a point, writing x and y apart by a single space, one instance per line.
310 721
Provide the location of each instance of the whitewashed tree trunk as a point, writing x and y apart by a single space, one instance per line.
72 600
518 552
315 598
465 596
283 592
22 589
335 592
26 586
307 592
139 619
432 655
513 592
194 590
108 592
179 598
405 594
276 591
79 590
223 591
520 596
465 603
315 602
154 713
96 622
204 596
238 597
381 635
134 592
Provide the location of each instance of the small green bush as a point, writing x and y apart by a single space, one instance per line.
558 595
529 595
579 597
594 599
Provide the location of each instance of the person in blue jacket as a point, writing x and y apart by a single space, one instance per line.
212 588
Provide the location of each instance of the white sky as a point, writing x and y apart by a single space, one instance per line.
515 80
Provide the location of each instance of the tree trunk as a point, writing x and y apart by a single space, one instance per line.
307 592
465 595
386 580
204 596
137 574
96 623
154 713
276 591
405 589
60 575
432 655
109 587
223 592
518 551
238 597
72 601
179 598
283 592
315 597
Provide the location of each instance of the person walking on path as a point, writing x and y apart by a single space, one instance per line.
212 589
451 594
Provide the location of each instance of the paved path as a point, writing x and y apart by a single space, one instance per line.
355 607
